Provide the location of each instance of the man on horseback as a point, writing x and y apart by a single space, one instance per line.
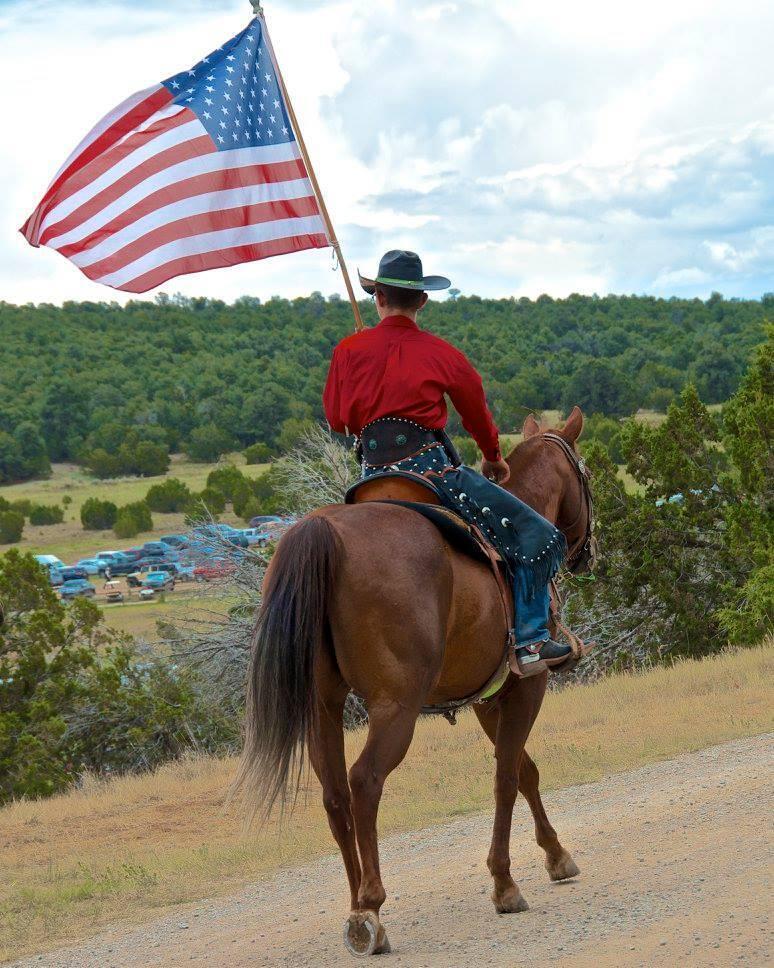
387 386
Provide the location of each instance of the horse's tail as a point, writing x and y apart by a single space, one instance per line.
280 687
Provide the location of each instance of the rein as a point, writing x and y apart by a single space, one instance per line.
584 550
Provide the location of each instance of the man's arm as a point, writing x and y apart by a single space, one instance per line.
332 395
467 395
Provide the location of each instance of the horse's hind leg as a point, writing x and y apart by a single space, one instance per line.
390 730
326 752
559 862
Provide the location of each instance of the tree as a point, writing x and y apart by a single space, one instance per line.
133 519
11 527
44 514
598 386
208 443
97 515
229 480
258 454
170 497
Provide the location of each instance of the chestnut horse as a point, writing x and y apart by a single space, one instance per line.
369 597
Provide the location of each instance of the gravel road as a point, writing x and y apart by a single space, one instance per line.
675 861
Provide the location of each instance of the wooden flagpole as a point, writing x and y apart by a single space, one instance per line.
258 11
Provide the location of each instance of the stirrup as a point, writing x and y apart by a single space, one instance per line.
521 669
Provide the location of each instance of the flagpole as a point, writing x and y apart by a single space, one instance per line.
258 11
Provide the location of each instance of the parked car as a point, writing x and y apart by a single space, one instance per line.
55 577
267 519
185 571
107 555
73 571
155 549
175 540
48 561
170 567
158 581
113 592
257 536
121 566
214 569
92 566
77 588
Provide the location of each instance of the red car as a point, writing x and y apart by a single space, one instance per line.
213 570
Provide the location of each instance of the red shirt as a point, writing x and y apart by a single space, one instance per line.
399 370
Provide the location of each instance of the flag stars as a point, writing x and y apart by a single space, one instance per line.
272 119
208 101
276 104
223 125
224 110
207 115
268 77
209 89
175 85
221 139
284 129
229 82
227 96
231 57
229 69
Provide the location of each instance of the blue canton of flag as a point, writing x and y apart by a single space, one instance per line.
235 94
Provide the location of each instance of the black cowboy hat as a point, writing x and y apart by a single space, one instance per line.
403 270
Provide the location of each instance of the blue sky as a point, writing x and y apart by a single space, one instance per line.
520 147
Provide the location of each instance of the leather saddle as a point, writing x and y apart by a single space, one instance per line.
417 493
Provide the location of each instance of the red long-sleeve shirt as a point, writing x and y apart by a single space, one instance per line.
399 370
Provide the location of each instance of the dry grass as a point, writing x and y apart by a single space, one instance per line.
122 850
69 541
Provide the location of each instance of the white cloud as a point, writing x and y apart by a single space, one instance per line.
520 147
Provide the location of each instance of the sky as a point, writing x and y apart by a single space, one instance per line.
520 146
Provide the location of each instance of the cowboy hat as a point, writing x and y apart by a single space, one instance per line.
403 270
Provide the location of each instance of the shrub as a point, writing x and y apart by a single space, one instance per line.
258 454
133 519
171 496
229 480
212 499
11 527
208 443
43 514
22 505
98 515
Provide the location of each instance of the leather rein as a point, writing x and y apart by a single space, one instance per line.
583 552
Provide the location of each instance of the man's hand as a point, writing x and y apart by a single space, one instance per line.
496 470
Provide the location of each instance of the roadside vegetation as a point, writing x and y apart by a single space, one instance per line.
124 849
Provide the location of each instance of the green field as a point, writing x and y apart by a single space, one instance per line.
69 541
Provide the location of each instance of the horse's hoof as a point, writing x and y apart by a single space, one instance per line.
364 935
512 902
563 868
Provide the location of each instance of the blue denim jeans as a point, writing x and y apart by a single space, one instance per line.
531 613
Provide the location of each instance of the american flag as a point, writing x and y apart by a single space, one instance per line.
200 171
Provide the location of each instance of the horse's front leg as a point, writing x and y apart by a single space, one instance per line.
559 862
516 712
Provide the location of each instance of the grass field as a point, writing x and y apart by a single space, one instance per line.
124 849
69 541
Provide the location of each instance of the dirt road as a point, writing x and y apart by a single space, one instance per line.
675 861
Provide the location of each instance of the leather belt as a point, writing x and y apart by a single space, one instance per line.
392 439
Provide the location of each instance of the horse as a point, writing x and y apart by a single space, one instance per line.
370 598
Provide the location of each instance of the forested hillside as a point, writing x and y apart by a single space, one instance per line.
117 387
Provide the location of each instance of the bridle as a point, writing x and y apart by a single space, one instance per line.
582 555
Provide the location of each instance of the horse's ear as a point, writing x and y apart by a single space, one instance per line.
531 427
573 425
